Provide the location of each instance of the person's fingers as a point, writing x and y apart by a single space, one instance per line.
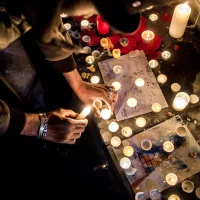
65 113
76 130
76 123
96 110
76 136
114 97
108 101
70 141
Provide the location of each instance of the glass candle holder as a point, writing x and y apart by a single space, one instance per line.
115 141
175 87
105 113
125 163
124 42
127 131
181 100
140 122
153 17
67 26
171 179
148 36
89 59
94 79
173 197
161 78
85 24
116 85
128 151
139 82
116 53
104 42
153 63
165 55
117 69
156 107
168 146
146 145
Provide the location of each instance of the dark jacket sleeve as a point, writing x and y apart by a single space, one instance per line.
4 117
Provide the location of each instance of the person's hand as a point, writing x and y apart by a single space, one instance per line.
89 92
63 127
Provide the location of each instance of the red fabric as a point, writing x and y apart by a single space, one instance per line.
94 38
166 17
103 27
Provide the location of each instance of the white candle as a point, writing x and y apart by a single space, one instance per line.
165 55
146 145
140 122
153 17
84 113
153 63
181 100
132 102
116 53
148 36
156 107
175 87
161 78
117 69
84 24
113 127
105 113
67 26
173 197
116 85
171 179
125 163
128 151
179 20
94 79
139 82
115 141
168 146
194 98
89 59
181 131
127 131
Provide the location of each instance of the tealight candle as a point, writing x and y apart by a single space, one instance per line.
181 100
165 55
125 163
124 42
86 38
148 36
115 141
140 122
132 102
181 131
153 63
67 26
171 179
175 87
168 146
113 127
140 196
116 85
146 145
197 192
128 151
194 98
127 131
84 113
104 42
96 53
94 79
139 82
156 107
187 186
117 69
89 59
84 24
173 197
105 113
179 20
153 17
161 78
87 49
116 53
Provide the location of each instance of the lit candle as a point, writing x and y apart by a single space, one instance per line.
89 59
140 122
116 85
86 38
179 20
148 36
173 197
124 42
161 78
181 131
127 131
84 24
171 179
139 82
94 79
117 69
132 102
175 87
181 100
153 63
194 98
113 127
85 112
105 113
116 53
104 42
156 107
146 145
115 141
67 26
128 151
153 17
125 163
168 146
165 55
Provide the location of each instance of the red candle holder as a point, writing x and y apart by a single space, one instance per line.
103 27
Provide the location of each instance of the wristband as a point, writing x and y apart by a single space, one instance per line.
43 126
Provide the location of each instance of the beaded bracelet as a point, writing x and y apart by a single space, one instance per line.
43 125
